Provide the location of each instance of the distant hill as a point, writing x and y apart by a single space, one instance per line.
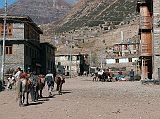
97 12
98 22
41 11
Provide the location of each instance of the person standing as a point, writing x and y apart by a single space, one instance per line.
131 74
18 73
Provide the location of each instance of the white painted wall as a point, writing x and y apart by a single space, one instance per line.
124 60
110 61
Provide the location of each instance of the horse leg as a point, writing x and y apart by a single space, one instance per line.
36 93
27 93
20 100
49 91
40 93
23 97
20 95
94 78
60 88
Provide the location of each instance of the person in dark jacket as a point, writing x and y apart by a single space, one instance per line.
49 78
131 74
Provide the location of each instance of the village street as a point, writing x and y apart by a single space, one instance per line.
84 99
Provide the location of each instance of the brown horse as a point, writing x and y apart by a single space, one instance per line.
59 79
41 84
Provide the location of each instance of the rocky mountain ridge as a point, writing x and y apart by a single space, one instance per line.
41 11
98 12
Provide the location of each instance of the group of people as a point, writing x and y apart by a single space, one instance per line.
31 83
107 75
103 75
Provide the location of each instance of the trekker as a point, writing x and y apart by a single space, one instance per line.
50 82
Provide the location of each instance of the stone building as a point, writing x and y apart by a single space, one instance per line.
74 64
151 8
47 57
22 44
123 55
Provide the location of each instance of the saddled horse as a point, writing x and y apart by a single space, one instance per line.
22 88
59 79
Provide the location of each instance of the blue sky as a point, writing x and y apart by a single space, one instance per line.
8 1
12 1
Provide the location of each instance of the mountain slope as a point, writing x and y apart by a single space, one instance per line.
98 22
41 11
96 12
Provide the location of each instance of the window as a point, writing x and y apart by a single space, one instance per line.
78 57
69 57
117 60
8 30
8 50
130 59
67 67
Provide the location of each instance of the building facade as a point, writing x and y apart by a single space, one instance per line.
22 44
145 31
74 64
123 55
47 58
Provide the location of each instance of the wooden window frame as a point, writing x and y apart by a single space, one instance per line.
8 50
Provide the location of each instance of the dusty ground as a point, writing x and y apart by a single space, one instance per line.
84 99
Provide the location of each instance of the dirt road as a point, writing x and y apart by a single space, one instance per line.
84 99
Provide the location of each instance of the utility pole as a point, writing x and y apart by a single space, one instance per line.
70 63
101 59
90 61
4 38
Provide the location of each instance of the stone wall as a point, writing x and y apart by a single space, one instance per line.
16 59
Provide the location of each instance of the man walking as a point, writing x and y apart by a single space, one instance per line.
50 82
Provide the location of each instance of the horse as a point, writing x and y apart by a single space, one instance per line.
96 77
22 87
59 79
41 84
